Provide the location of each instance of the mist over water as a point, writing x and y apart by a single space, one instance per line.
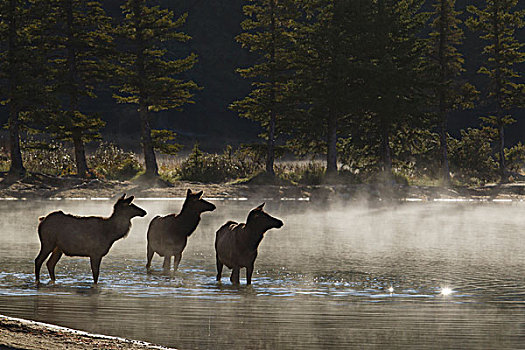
425 275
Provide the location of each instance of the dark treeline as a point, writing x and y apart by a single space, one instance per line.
373 86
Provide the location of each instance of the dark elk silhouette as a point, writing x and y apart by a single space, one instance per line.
168 235
90 236
236 244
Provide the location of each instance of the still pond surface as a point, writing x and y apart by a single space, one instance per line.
422 275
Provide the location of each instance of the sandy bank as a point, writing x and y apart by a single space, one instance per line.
18 334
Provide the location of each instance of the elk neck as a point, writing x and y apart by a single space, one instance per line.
189 219
253 235
119 226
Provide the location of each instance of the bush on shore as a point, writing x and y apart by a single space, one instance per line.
57 159
51 158
113 163
213 168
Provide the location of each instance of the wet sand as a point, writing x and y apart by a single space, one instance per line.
19 334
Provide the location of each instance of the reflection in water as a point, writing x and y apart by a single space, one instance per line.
446 291
425 275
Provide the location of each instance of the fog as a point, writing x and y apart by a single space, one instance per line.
337 275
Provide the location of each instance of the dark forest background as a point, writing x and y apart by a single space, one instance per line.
213 25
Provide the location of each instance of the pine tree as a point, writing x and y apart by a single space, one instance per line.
445 66
392 62
497 21
79 36
327 84
149 76
268 32
22 70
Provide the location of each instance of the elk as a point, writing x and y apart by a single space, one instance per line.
236 244
168 235
86 236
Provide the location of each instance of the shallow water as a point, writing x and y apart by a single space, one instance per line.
420 275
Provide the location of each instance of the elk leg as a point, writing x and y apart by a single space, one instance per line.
150 256
249 272
39 260
176 261
166 264
234 278
219 269
95 267
51 263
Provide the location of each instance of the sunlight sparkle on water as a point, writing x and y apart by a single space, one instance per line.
446 291
391 290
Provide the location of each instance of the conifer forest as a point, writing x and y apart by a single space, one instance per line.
364 91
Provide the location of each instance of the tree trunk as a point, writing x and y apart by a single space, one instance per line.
443 40
331 154
387 154
150 159
80 154
444 153
78 142
16 169
502 167
270 157
499 87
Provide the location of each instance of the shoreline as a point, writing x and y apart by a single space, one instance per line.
43 187
22 334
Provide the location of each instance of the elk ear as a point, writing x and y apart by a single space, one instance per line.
260 207
188 192
122 198
129 199
199 194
